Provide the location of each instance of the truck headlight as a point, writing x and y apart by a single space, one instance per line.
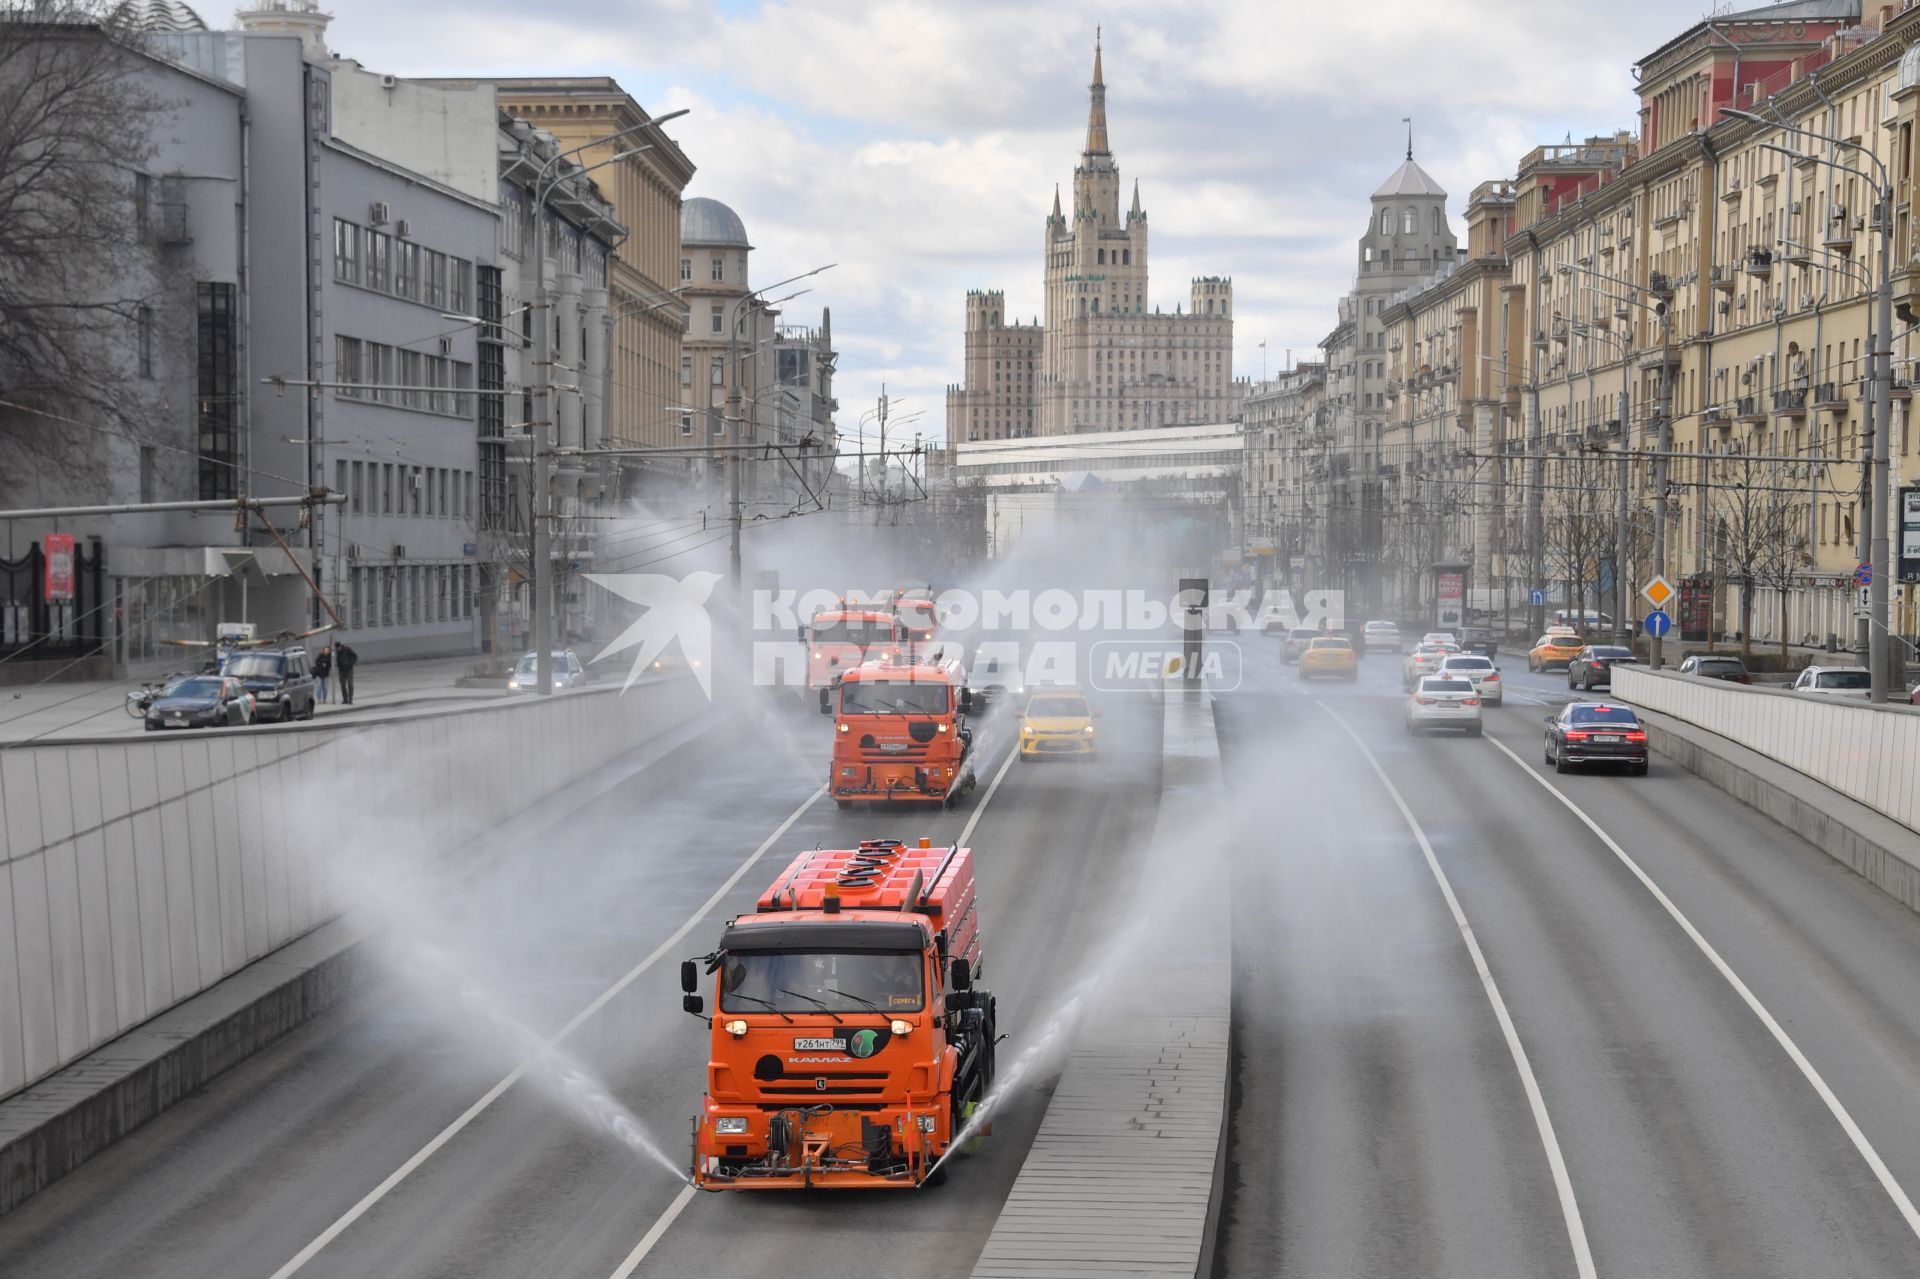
737 1028
927 1122
1088 730
730 1126
899 1027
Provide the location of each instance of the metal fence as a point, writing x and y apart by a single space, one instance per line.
34 628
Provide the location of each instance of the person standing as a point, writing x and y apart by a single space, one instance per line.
322 668
344 660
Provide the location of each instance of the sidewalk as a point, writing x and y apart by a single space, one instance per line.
61 712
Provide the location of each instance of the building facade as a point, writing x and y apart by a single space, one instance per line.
1099 359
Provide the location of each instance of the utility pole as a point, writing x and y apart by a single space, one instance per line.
1879 650
1537 479
1664 416
881 506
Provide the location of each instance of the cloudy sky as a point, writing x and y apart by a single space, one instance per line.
916 143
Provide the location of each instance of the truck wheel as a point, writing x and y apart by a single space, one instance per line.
846 805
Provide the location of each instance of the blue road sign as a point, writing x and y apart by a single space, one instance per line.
1863 575
1536 597
1658 623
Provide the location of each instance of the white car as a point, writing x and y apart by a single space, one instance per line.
1480 670
1296 643
1835 681
1381 635
1444 702
1425 659
1440 637
565 669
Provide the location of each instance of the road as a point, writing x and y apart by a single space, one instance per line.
248 1175
1383 1122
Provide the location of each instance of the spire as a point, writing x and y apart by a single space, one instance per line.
1097 114
1136 215
1408 121
1056 202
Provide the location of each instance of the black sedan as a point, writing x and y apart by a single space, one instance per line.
202 701
1596 733
1593 665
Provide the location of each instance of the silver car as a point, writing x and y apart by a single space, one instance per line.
1382 637
1835 681
566 669
1296 643
1444 702
1425 659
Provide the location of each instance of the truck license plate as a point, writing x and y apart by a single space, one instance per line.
817 1045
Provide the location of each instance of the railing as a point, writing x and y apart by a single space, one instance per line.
1793 401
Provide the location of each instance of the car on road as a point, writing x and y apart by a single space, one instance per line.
1425 659
566 670
281 681
201 701
1384 636
1596 733
1593 665
1296 642
1330 655
1440 637
1554 649
1716 666
1834 681
1443 701
994 678
1480 671
1057 721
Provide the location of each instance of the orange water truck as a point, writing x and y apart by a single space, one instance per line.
850 1044
900 732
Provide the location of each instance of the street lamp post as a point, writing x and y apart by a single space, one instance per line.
1880 348
539 567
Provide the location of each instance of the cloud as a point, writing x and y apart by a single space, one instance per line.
917 142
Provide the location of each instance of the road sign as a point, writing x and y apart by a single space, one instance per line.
1658 623
1536 597
1863 574
1658 592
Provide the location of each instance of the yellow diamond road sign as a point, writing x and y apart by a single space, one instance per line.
1659 591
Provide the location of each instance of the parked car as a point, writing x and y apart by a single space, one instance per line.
1596 733
1575 619
1443 702
1296 643
1715 666
1554 649
201 701
281 681
566 668
1384 636
1477 670
1835 681
1593 665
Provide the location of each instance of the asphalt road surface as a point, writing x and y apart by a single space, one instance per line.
1710 1037
246 1177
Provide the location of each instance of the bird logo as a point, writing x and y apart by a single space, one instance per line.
675 609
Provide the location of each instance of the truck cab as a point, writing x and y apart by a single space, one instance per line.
840 639
901 732
849 1043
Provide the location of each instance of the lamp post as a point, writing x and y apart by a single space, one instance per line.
1880 348
539 567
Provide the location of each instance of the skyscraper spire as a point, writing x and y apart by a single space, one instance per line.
1097 114
1056 202
1136 215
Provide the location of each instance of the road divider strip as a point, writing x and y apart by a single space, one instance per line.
1536 1102
1833 1103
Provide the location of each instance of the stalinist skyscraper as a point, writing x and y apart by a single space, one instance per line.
1102 358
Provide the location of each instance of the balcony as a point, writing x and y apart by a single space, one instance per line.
1660 284
1759 263
1748 410
1790 403
1733 192
1796 254
1722 278
1828 397
1715 415
1839 236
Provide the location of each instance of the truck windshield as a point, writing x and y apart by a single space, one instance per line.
822 981
892 697
852 632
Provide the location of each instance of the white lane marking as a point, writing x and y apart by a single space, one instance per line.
1563 1185
659 1227
472 1112
1833 1103
652 1237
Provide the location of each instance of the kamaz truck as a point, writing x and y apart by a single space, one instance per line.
901 733
849 1042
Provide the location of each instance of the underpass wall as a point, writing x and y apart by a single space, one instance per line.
1868 753
136 873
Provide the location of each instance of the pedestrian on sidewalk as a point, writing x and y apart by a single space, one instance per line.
344 658
322 668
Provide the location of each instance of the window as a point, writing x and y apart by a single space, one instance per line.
145 340
340 476
346 251
356 607
719 269
719 370
1386 222
379 259
719 324
1439 221
146 473
686 270
406 274
1126 257
459 280
142 200
686 370
354 489
386 488
419 486
217 388
1101 257
434 282
686 423
1409 219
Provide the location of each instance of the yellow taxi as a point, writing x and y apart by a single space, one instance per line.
1057 721
1554 649
1329 655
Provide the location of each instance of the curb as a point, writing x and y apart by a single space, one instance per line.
52 1127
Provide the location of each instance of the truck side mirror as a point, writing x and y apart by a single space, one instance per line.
966 701
689 975
961 976
826 701
800 632
693 1004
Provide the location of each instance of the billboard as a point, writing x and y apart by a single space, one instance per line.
1909 550
1450 597
59 551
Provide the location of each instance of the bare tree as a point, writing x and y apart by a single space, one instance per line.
1756 532
78 278
1578 525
